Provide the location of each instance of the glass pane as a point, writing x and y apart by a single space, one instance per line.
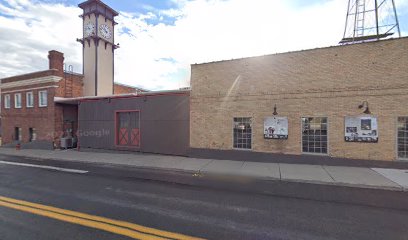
314 135
242 133
402 138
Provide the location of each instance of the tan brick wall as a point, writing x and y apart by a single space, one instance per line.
328 82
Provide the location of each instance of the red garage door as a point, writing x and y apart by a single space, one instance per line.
128 128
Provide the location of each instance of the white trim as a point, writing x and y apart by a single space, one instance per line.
9 101
30 89
28 82
39 99
15 100
45 167
32 97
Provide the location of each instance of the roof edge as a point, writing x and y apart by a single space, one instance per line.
130 86
126 95
298 51
81 5
28 74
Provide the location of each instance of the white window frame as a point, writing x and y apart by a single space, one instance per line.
252 134
328 140
7 101
32 99
397 140
40 103
15 100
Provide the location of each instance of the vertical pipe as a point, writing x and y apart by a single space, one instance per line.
96 42
376 20
78 134
396 18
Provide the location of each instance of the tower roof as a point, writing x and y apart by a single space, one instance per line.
93 6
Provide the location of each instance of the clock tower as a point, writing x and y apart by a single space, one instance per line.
98 46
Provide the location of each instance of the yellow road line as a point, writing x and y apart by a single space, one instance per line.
80 221
121 227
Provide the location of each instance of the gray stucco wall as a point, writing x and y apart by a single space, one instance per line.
164 125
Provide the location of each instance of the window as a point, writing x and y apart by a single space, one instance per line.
30 99
402 140
7 101
33 134
17 134
242 133
314 135
42 98
17 100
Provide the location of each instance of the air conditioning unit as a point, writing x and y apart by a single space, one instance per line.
66 142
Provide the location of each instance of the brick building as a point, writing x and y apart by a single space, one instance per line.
28 112
342 102
31 114
119 88
314 94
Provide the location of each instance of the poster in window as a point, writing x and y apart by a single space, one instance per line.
276 128
361 129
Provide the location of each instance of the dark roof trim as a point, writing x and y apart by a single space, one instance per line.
88 2
122 96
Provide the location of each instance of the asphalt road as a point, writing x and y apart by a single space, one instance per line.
193 211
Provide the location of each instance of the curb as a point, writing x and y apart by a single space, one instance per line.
371 197
308 190
219 175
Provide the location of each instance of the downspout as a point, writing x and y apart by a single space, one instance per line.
78 130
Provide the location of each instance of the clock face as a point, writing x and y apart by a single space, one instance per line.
105 31
89 29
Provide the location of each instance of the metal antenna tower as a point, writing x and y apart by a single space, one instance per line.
370 20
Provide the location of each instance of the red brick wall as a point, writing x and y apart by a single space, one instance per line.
48 121
56 61
70 86
40 118
123 89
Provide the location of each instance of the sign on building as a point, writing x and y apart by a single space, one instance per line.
361 129
276 128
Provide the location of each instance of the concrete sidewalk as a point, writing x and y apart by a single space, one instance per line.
377 178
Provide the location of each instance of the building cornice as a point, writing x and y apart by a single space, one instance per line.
29 89
29 82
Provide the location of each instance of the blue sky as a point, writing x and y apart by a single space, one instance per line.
160 39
